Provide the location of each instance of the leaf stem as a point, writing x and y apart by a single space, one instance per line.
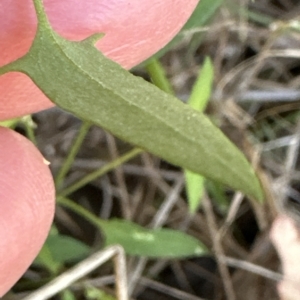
100 172
68 203
41 14
72 154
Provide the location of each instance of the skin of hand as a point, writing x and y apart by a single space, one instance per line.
285 235
26 205
134 30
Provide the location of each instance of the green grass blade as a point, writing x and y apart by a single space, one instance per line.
198 100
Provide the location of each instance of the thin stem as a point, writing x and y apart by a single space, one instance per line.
40 13
108 167
80 211
72 154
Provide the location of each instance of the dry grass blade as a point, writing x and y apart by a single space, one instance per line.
218 249
86 266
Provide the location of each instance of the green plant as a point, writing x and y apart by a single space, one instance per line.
139 113
131 108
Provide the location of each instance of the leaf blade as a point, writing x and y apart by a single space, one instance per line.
163 243
198 100
132 109
204 11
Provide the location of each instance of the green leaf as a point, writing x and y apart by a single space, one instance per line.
67 295
198 100
79 79
61 249
158 76
194 184
46 259
93 293
66 249
202 88
12 123
204 11
163 243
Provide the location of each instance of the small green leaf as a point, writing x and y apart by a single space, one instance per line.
68 295
194 189
204 11
78 78
46 259
60 249
93 293
202 88
163 243
198 100
136 240
158 76
66 249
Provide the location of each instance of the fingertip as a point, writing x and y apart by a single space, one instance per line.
26 205
284 231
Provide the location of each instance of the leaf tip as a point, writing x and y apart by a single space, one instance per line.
200 250
93 39
257 192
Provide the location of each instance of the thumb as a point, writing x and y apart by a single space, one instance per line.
26 205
